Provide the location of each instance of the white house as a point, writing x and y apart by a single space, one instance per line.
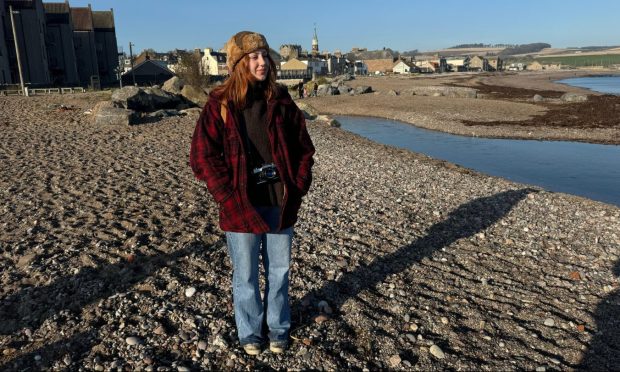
458 64
213 63
404 67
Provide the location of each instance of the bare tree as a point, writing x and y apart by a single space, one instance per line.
189 69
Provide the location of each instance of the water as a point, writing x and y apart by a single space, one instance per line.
588 170
603 84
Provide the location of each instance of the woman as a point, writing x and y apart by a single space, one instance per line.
252 149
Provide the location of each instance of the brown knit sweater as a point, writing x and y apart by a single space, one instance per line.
254 125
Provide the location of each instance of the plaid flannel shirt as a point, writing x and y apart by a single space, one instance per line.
217 156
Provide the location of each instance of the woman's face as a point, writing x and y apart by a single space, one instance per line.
258 63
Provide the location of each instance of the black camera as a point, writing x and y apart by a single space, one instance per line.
267 173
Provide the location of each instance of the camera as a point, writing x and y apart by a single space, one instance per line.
267 173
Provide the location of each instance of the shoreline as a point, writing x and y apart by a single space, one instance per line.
503 117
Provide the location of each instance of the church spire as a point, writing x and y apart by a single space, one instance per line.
315 43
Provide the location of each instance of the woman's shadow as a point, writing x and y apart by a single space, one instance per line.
465 221
604 351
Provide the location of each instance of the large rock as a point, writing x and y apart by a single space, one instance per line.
343 89
574 97
174 85
327 90
105 113
132 98
160 99
363 89
196 95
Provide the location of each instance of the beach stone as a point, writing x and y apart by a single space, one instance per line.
363 89
321 319
173 85
160 99
164 113
549 322
195 95
394 361
105 113
189 292
131 98
133 340
538 98
574 97
437 352
344 89
202 345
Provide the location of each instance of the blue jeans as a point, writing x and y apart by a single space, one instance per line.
250 309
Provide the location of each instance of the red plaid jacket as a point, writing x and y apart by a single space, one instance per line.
217 156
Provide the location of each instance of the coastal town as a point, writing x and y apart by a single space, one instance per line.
111 256
56 45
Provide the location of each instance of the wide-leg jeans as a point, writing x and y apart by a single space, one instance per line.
245 249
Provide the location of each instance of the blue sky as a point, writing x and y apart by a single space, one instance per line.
401 25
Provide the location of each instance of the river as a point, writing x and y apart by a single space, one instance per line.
603 84
588 170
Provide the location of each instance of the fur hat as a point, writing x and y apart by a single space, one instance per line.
242 43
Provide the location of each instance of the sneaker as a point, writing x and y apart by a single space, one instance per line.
277 347
252 349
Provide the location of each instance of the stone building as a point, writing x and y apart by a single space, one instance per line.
85 46
5 70
29 18
60 47
477 63
105 45
290 51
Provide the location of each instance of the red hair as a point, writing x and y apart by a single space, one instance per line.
235 88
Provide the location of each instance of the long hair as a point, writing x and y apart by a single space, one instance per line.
235 88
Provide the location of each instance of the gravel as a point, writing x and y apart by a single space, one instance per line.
104 228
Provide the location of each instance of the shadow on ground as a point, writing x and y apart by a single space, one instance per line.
604 351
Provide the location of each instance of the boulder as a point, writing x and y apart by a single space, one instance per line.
105 113
174 85
160 99
193 111
327 90
363 89
574 97
538 98
132 98
196 95
164 113
343 89
392 92
310 112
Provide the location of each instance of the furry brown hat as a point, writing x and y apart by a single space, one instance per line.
242 43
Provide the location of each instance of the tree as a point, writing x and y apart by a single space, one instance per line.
189 69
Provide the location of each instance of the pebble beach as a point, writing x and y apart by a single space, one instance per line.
111 258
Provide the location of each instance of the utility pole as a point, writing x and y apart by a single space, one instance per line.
19 62
133 75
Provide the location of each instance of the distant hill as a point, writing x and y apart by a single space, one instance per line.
524 49
481 45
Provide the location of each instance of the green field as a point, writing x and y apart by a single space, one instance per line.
582 61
